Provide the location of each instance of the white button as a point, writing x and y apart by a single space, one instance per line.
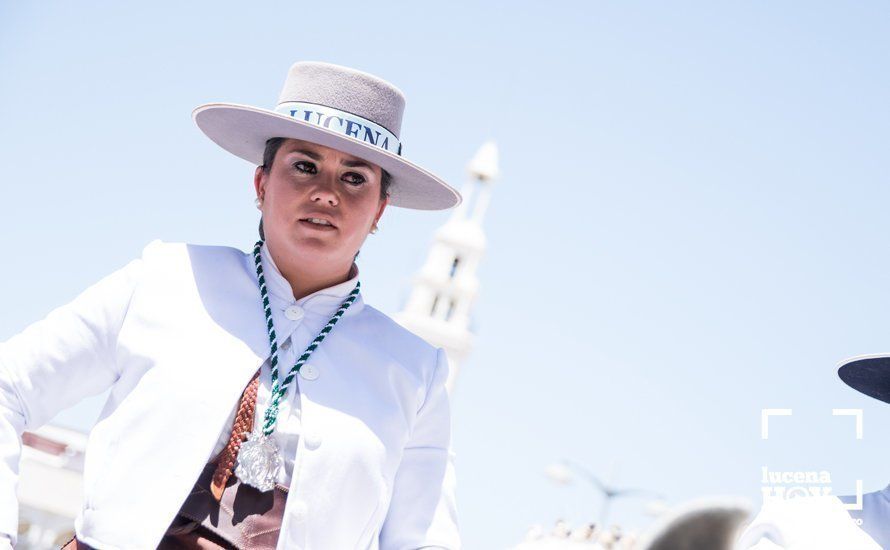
308 372
312 440
294 313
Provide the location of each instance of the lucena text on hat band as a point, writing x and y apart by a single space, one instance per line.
348 124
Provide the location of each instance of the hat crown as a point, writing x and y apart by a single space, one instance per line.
346 89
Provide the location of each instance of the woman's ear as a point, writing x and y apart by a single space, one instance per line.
383 204
258 183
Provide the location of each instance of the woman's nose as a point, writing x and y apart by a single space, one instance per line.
323 192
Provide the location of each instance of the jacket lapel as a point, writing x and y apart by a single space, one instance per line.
198 383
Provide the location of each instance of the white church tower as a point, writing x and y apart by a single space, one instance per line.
441 299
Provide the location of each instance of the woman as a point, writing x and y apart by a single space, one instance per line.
255 399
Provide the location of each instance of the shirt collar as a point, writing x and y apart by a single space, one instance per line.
320 300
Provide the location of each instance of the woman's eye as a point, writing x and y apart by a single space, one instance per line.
354 179
305 166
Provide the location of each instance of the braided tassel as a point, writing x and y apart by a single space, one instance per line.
240 429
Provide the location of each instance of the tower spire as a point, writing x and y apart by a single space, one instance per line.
439 307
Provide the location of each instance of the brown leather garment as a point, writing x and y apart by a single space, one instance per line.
245 517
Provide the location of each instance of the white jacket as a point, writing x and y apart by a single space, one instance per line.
816 523
176 335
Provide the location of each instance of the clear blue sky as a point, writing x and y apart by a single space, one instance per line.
691 224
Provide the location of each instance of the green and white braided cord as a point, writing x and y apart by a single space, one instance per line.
278 392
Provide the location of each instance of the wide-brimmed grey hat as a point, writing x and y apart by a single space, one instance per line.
869 374
338 107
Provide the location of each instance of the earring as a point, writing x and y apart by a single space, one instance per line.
258 202
374 229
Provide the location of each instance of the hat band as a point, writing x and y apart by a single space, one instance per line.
348 124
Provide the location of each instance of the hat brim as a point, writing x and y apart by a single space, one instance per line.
243 130
869 374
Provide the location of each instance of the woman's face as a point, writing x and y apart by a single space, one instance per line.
319 204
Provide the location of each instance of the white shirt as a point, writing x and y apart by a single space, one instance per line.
821 523
874 518
296 324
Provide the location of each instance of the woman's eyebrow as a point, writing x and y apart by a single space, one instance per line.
348 163
357 163
310 154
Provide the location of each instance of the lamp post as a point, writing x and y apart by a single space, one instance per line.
562 473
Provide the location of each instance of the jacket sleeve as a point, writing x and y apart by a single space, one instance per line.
52 364
422 512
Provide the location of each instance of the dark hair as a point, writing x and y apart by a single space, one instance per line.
272 146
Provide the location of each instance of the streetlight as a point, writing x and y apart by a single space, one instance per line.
562 472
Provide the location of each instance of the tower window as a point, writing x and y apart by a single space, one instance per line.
454 266
435 303
451 304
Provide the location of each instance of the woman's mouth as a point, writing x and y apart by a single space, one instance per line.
318 224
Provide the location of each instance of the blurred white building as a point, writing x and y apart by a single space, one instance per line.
50 488
441 300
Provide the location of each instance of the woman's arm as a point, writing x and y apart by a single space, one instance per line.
52 364
422 512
